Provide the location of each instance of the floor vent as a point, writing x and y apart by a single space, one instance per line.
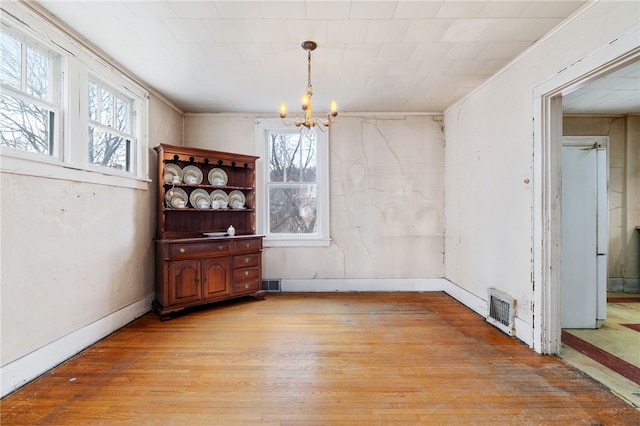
502 309
271 285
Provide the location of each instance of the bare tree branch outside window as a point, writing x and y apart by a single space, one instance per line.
26 123
110 136
293 203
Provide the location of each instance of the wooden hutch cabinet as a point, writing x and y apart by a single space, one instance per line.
201 193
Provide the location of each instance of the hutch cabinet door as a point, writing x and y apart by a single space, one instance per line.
216 277
184 281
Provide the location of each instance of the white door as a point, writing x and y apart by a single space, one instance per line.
584 232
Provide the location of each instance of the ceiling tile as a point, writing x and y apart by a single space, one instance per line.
188 29
315 30
552 9
195 9
427 29
505 9
461 9
228 30
387 31
261 29
328 9
283 9
466 29
152 9
341 31
372 9
148 29
239 9
417 9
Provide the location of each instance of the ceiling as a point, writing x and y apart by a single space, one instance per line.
372 56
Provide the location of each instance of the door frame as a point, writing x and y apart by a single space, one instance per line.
547 173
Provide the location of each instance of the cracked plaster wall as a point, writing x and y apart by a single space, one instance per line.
386 196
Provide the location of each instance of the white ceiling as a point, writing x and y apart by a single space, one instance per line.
372 56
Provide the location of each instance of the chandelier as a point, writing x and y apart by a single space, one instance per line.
308 124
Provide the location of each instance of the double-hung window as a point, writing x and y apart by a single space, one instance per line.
295 185
111 136
30 96
65 113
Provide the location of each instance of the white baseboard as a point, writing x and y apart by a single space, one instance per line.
360 284
21 371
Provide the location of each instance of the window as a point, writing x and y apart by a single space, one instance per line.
110 128
65 112
29 115
295 181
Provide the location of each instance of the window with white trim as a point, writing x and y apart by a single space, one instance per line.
295 185
29 101
111 136
65 112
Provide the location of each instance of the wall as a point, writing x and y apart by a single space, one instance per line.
77 260
386 197
489 160
624 198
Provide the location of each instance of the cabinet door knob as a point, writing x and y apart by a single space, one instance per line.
183 250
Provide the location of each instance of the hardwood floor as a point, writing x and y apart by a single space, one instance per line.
316 359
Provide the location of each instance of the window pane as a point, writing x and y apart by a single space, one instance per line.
10 63
106 110
25 126
37 74
122 112
292 158
93 102
293 210
108 150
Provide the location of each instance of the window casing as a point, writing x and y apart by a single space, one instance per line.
108 148
111 137
30 98
294 183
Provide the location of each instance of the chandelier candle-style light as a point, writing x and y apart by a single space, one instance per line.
309 123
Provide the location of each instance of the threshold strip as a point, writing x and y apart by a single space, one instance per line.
610 361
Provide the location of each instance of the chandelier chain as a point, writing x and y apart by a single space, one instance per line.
309 71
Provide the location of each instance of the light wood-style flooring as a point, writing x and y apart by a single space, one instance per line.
316 359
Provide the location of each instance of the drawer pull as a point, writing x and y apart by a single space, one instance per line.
220 247
247 259
183 250
246 273
247 245
246 286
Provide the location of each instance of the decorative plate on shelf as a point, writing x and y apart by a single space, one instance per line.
170 171
176 198
199 199
221 197
236 199
192 175
218 177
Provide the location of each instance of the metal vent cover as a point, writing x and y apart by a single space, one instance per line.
271 285
501 311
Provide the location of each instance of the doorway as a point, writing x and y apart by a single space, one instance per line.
585 236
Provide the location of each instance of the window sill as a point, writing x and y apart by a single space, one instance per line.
52 168
296 242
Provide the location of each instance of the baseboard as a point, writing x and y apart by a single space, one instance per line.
21 371
361 284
